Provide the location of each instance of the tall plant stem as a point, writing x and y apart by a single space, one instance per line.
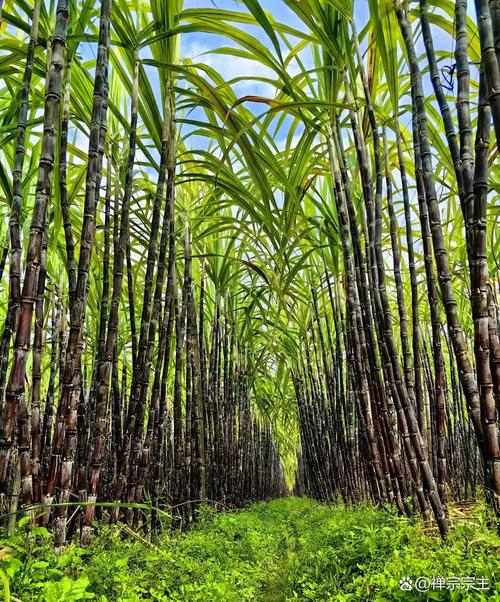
15 385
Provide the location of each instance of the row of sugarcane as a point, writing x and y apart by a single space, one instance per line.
375 412
339 457
161 414
406 393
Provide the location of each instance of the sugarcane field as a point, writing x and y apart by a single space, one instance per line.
249 300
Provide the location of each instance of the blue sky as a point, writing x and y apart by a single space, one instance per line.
277 8
197 46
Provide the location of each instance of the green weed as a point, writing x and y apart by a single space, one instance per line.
279 551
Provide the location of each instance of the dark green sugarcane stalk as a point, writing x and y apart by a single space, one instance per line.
464 115
63 339
495 19
382 310
199 456
396 258
374 207
64 443
403 317
157 408
211 405
458 411
494 346
340 330
161 435
224 401
359 346
417 359
48 416
15 384
188 400
489 61
324 430
103 310
30 452
151 307
414 443
188 367
319 484
4 356
440 253
479 295
444 108
362 274
306 440
71 266
324 369
71 432
119 392
386 402
494 7
105 363
335 414
3 258
438 393
195 446
116 416
219 405
215 371
180 333
337 388
17 177
461 162
131 300
87 411
203 372
161 438
316 425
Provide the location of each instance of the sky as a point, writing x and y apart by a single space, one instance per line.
197 46
193 45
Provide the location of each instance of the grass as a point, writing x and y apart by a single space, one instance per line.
284 550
